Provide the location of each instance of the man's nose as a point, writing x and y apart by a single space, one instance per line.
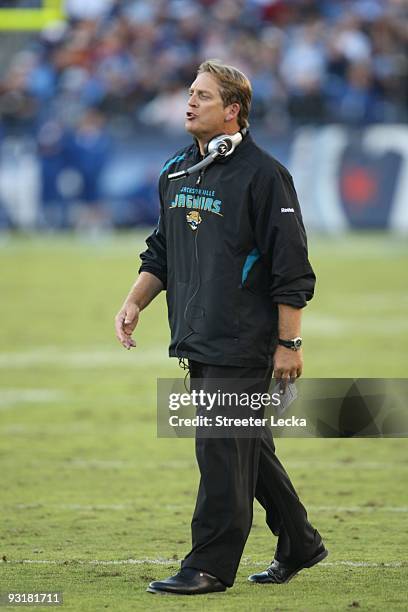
192 101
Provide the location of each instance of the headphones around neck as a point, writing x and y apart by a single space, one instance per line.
220 146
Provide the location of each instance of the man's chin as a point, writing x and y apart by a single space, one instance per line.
190 127
193 128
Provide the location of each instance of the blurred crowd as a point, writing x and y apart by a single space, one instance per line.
116 68
310 61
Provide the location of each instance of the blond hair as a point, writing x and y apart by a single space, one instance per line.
234 86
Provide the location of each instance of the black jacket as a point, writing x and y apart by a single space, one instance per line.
229 246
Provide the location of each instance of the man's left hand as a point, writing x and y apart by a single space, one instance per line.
287 366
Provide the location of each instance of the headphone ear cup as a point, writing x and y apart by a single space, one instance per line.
212 145
224 144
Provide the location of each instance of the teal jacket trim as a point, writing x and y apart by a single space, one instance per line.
171 161
251 259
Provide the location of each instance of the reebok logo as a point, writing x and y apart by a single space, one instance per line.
284 210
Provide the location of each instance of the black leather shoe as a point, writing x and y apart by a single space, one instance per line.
279 573
188 581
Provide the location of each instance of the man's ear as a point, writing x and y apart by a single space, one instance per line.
232 111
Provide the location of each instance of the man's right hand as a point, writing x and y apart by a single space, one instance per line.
144 290
125 323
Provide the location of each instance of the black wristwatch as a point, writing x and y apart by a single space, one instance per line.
295 344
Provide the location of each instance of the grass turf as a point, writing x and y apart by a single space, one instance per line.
94 505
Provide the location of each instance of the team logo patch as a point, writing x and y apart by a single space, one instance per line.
193 219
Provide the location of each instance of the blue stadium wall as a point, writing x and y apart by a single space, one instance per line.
345 178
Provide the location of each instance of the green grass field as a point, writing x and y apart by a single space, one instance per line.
94 505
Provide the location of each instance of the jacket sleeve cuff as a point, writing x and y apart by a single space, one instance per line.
160 274
297 301
295 289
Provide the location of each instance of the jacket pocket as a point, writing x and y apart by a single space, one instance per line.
258 323
213 312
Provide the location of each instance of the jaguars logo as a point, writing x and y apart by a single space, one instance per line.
193 219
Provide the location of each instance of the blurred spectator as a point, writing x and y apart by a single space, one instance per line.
167 110
52 148
355 100
303 70
90 150
91 9
72 163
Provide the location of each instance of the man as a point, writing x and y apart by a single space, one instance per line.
230 251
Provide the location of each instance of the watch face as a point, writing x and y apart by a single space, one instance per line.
297 343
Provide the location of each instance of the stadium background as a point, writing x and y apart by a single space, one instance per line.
90 108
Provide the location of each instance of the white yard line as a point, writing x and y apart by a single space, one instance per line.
12 397
326 325
80 507
347 465
359 508
244 562
92 358
133 507
186 465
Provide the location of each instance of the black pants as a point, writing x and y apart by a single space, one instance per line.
233 471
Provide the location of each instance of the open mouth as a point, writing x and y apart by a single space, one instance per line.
190 116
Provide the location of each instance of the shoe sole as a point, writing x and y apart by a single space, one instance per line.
162 592
314 561
158 592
